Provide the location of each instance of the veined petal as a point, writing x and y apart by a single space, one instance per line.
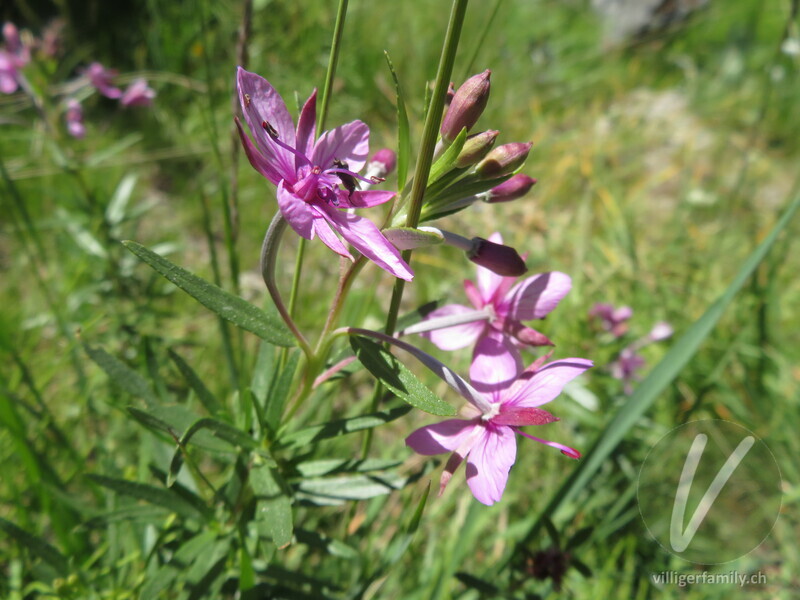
260 164
368 240
488 281
545 384
307 126
489 462
297 212
364 199
260 102
535 297
457 336
496 364
522 417
325 233
441 437
348 142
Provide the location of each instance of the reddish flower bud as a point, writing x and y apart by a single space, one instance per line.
475 148
467 105
515 187
503 160
381 164
498 258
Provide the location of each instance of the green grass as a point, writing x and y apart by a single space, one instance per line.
662 166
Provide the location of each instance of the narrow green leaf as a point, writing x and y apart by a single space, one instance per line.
402 382
448 158
661 376
403 130
151 494
186 555
228 306
174 419
331 546
352 487
274 507
122 375
263 372
205 397
279 391
316 468
331 429
222 430
115 211
37 546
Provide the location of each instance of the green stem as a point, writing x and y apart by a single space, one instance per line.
430 133
269 254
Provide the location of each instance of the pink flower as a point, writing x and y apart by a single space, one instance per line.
8 73
498 309
74 118
309 172
626 368
100 78
486 438
138 94
612 319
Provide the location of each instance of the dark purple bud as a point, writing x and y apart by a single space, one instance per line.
503 160
467 105
476 147
500 259
516 187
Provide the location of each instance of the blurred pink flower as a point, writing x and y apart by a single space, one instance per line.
100 78
485 438
8 73
309 172
74 118
612 319
626 368
138 94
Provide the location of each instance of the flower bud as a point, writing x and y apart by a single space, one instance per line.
661 331
448 97
515 187
74 118
11 36
475 148
498 258
381 164
466 107
503 160
138 94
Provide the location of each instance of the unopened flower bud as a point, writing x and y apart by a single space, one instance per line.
475 148
515 187
381 164
503 160
466 107
661 331
500 259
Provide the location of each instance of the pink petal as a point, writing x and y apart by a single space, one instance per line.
496 364
325 233
489 462
364 199
473 295
535 297
296 211
306 125
257 160
458 336
260 102
368 240
544 385
349 142
441 437
522 417
565 450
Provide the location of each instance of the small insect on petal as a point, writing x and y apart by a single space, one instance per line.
348 181
247 100
271 131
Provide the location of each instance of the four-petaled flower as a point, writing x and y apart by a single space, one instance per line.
498 309
486 436
309 172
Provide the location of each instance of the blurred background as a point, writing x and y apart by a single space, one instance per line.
666 143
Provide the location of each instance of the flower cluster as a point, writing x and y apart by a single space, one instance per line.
17 54
319 186
629 361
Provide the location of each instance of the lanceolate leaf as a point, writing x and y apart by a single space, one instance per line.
36 545
228 306
403 130
122 375
151 494
402 382
274 507
206 398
